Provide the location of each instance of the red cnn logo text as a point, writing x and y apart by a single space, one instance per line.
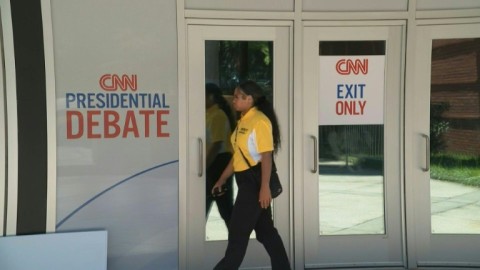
113 82
347 66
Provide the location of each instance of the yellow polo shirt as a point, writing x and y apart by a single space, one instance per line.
253 136
217 128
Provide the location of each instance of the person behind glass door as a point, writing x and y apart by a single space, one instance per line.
219 124
257 136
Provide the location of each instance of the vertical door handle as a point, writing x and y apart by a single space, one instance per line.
315 154
427 153
200 157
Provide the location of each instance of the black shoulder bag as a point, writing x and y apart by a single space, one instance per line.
275 185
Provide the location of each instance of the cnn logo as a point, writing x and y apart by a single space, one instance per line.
349 66
113 82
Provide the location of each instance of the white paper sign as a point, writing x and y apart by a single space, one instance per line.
351 90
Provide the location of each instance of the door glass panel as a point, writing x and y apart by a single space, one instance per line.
227 63
455 136
351 138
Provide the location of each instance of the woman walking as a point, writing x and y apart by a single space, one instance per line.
254 141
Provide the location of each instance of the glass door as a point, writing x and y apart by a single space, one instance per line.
352 115
219 57
445 144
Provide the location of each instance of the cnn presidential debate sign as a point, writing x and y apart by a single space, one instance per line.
116 110
351 90
117 126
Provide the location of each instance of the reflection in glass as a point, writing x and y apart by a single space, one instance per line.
219 123
455 136
227 63
351 162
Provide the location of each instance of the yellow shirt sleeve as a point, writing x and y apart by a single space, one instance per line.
264 136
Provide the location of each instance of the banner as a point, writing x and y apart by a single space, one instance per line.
117 127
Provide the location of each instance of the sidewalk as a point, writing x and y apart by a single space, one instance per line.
353 204
455 208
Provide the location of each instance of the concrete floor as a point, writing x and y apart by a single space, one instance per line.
354 205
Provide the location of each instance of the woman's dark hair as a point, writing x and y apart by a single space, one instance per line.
213 90
251 88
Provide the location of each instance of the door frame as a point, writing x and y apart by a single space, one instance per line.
187 163
301 144
3 139
297 145
418 71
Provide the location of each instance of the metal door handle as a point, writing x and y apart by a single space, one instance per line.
315 154
200 157
427 153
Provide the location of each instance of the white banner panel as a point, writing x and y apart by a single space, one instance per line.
351 90
55 251
117 127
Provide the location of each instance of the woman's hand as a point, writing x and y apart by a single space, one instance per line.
265 197
227 172
218 186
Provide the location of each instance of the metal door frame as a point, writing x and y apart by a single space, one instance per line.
302 161
190 162
417 82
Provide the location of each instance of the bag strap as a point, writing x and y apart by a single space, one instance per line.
274 168
241 152
246 160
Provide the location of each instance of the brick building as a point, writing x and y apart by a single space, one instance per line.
456 81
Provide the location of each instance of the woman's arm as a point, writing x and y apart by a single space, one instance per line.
227 172
265 197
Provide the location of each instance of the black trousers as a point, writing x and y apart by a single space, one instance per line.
247 216
224 202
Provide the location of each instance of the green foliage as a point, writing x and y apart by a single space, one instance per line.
438 126
245 60
449 160
458 168
371 162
